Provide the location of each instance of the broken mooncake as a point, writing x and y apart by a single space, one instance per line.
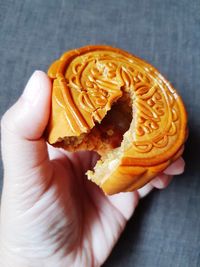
106 100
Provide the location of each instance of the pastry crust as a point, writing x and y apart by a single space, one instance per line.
90 82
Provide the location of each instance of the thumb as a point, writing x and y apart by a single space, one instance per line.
23 147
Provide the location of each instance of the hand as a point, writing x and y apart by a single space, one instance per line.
51 215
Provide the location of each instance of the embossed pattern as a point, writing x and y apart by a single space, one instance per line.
86 83
94 80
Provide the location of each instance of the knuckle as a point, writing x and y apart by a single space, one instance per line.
7 123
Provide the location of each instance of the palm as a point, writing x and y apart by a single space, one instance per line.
64 217
92 221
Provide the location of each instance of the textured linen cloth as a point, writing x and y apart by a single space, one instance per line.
165 229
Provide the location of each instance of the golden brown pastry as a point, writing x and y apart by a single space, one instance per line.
107 100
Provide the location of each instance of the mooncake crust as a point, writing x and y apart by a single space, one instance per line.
88 81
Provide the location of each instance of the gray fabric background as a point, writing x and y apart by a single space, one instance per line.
165 230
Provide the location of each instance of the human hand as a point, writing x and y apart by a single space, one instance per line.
51 215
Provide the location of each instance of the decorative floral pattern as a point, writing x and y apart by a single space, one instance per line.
107 76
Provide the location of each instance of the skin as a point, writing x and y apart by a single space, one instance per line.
51 215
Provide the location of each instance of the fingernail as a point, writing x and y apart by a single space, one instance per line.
32 90
176 168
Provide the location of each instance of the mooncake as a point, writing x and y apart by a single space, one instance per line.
109 101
